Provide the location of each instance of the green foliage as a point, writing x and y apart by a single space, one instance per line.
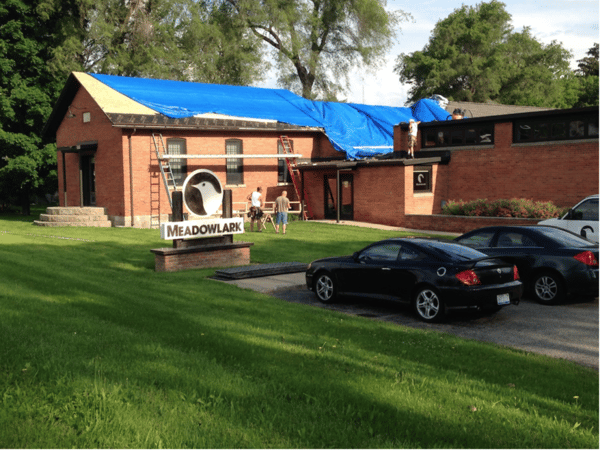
474 55
100 351
316 43
516 207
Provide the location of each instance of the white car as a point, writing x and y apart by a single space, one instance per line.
582 219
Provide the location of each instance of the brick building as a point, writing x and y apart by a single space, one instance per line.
108 143
546 155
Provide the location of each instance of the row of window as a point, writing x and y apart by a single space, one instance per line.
552 128
234 166
556 129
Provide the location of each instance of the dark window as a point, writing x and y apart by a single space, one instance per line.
514 239
581 126
178 166
457 135
381 252
235 166
478 240
283 174
587 210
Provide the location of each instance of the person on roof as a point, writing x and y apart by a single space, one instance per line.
412 136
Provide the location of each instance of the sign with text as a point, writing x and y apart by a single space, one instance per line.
201 228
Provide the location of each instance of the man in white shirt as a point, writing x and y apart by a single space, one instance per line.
255 212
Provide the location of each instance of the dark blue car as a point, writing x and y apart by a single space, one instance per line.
433 276
552 262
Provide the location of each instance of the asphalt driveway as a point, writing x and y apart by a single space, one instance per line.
568 331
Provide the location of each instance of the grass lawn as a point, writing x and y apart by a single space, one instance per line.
98 350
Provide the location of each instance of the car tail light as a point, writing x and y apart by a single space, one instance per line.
587 258
468 277
516 273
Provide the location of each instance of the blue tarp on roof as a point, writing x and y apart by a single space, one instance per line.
359 130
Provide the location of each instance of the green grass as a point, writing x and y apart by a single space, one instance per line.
98 350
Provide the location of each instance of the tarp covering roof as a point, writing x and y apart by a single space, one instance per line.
359 130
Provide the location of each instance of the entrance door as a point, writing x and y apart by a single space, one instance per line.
88 180
346 197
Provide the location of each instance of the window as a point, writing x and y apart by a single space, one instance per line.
381 252
457 135
478 240
512 239
178 166
283 174
554 128
235 166
586 211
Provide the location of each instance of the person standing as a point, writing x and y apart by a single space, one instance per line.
255 208
412 137
282 205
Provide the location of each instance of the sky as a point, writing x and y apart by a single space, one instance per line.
574 23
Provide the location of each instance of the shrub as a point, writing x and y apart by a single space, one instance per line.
516 207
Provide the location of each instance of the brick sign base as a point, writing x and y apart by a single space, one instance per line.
202 257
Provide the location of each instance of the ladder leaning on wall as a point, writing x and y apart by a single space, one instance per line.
294 174
168 180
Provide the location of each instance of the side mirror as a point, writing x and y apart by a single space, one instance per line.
569 215
355 256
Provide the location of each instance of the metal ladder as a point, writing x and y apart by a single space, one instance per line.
294 173
167 177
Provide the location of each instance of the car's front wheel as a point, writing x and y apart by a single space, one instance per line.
428 305
325 287
548 288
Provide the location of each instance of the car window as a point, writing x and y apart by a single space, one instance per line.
477 240
514 239
451 250
563 238
407 254
588 210
381 252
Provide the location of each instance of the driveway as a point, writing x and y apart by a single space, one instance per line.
568 331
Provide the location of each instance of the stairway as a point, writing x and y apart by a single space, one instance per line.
86 216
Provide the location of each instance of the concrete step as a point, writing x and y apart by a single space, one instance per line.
57 216
95 223
260 270
76 211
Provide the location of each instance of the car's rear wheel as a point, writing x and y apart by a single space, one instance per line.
428 305
325 287
548 288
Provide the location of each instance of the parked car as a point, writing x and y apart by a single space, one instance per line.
552 262
582 219
434 276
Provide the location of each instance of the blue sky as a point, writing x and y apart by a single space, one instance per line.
574 23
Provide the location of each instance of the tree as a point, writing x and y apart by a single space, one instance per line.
27 165
474 55
172 39
317 42
588 66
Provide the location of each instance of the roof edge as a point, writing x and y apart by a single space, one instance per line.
60 108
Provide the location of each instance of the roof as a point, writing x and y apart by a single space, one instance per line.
473 110
359 130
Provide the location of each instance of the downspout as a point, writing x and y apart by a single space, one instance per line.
337 188
64 167
131 177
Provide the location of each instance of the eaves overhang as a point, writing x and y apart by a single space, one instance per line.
160 121
352 165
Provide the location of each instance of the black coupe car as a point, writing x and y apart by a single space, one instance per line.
432 275
552 262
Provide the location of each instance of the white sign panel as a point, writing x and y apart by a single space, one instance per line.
201 228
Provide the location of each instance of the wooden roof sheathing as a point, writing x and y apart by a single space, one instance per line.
110 100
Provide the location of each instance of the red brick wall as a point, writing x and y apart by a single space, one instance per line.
108 160
174 260
561 172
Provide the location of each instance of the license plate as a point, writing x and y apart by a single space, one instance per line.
504 299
